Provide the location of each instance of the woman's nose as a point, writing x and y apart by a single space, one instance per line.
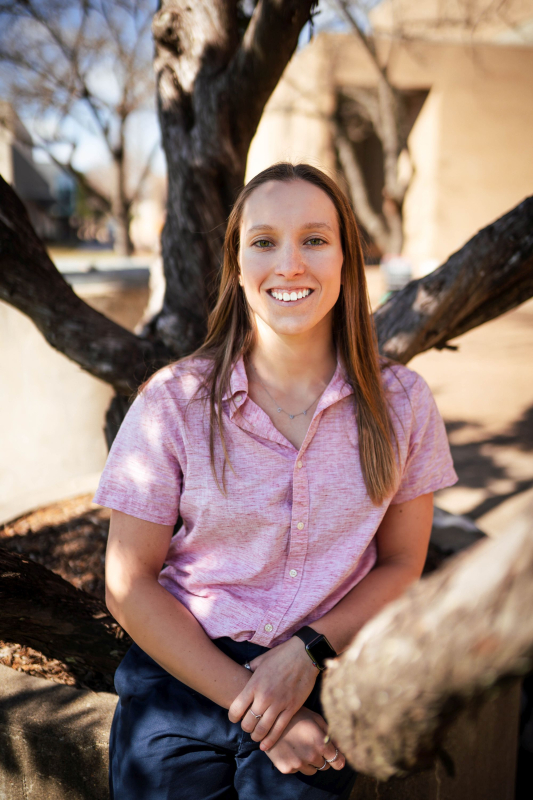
290 261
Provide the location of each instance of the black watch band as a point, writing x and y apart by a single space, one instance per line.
317 646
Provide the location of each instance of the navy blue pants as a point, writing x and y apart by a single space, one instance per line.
169 742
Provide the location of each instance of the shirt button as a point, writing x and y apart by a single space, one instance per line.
238 398
268 627
300 526
293 573
300 464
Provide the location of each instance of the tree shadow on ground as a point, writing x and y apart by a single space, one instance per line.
74 549
477 463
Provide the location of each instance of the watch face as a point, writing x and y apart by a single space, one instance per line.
321 649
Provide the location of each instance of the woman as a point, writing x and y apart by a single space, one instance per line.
302 469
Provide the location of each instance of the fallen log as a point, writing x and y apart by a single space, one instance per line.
448 641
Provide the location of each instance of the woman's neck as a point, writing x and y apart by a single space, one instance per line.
294 364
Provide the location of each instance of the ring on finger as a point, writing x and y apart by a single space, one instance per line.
324 765
257 716
331 760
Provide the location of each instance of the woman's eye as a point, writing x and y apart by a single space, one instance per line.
262 244
315 241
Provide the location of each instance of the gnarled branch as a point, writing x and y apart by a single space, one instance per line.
491 274
30 282
56 618
268 44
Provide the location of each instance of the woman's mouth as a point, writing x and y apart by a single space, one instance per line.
289 297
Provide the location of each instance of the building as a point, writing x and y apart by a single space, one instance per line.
47 191
470 140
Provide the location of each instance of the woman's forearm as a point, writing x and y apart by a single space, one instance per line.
402 543
383 584
171 635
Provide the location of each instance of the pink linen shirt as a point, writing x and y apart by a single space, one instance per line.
295 530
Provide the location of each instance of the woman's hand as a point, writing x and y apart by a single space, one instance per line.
282 680
302 747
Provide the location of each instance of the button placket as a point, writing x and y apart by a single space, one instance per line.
298 540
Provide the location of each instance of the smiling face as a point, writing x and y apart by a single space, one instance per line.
290 257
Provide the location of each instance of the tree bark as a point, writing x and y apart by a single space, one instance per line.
30 282
43 611
445 643
490 275
212 89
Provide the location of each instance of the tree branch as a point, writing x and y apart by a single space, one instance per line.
490 275
56 618
267 46
389 698
30 282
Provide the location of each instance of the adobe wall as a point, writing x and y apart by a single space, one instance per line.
52 412
471 144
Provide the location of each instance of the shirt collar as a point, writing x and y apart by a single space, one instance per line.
338 387
238 382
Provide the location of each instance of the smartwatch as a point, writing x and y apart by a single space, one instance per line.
317 646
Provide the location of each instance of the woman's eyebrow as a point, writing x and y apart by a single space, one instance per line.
260 227
315 225
308 226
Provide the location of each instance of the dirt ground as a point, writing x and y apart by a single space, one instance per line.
485 394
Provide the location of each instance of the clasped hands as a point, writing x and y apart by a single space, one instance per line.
293 737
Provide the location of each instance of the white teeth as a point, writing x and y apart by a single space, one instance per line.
290 297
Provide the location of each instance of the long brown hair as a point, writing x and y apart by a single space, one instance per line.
230 334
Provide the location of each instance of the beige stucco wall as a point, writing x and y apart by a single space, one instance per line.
485 150
52 412
472 144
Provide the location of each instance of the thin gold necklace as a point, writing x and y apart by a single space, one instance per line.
278 408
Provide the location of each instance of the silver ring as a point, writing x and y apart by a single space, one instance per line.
324 765
247 666
335 757
257 716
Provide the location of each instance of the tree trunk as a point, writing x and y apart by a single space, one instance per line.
43 611
446 642
212 89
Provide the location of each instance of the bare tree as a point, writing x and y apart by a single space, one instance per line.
80 64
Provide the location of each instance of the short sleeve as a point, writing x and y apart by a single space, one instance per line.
428 465
143 475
